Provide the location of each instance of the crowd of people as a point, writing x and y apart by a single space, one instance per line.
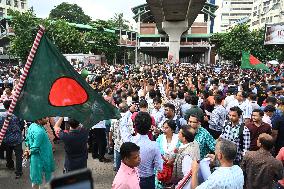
190 126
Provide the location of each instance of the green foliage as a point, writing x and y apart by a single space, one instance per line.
66 37
231 44
70 12
102 42
24 25
119 22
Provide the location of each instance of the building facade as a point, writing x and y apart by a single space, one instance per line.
19 5
153 46
266 12
230 12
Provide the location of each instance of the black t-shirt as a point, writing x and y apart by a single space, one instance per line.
262 95
75 145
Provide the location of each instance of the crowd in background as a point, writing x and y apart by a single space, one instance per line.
178 124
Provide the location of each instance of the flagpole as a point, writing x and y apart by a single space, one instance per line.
22 81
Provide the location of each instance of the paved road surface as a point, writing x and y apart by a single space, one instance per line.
103 173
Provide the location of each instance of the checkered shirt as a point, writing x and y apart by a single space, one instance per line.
231 133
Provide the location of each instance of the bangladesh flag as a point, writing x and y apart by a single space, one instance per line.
251 62
53 88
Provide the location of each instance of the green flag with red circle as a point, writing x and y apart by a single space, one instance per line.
54 88
251 62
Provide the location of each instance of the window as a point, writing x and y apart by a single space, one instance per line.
23 5
1 12
262 20
265 9
16 4
266 3
8 2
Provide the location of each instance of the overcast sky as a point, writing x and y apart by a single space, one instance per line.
97 9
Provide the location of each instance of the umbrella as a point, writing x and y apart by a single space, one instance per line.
274 62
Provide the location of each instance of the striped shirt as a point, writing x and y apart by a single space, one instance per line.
231 133
217 118
151 158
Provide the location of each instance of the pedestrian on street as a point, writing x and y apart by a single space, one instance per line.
12 140
39 149
75 144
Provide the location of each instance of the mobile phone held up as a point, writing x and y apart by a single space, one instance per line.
81 179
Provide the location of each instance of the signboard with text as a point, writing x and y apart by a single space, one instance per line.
154 44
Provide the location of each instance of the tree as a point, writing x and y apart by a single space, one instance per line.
231 44
67 38
70 12
25 25
119 22
101 41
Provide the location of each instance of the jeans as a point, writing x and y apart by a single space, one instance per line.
147 182
278 186
117 160
18 154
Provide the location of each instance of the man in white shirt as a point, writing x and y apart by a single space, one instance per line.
158 111
253 101
243 103
227 175
230 97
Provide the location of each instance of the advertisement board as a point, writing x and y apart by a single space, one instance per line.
274 34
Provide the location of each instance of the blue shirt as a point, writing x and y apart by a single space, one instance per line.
13 135
150 156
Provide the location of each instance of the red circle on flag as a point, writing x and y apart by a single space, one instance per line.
67 92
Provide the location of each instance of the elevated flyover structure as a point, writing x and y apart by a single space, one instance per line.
174 18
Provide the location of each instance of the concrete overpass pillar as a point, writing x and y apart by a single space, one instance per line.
174 31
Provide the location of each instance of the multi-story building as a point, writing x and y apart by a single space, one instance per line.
19 5
230 12
5 28
266 12
153 45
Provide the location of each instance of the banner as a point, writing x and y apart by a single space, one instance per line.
274 34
